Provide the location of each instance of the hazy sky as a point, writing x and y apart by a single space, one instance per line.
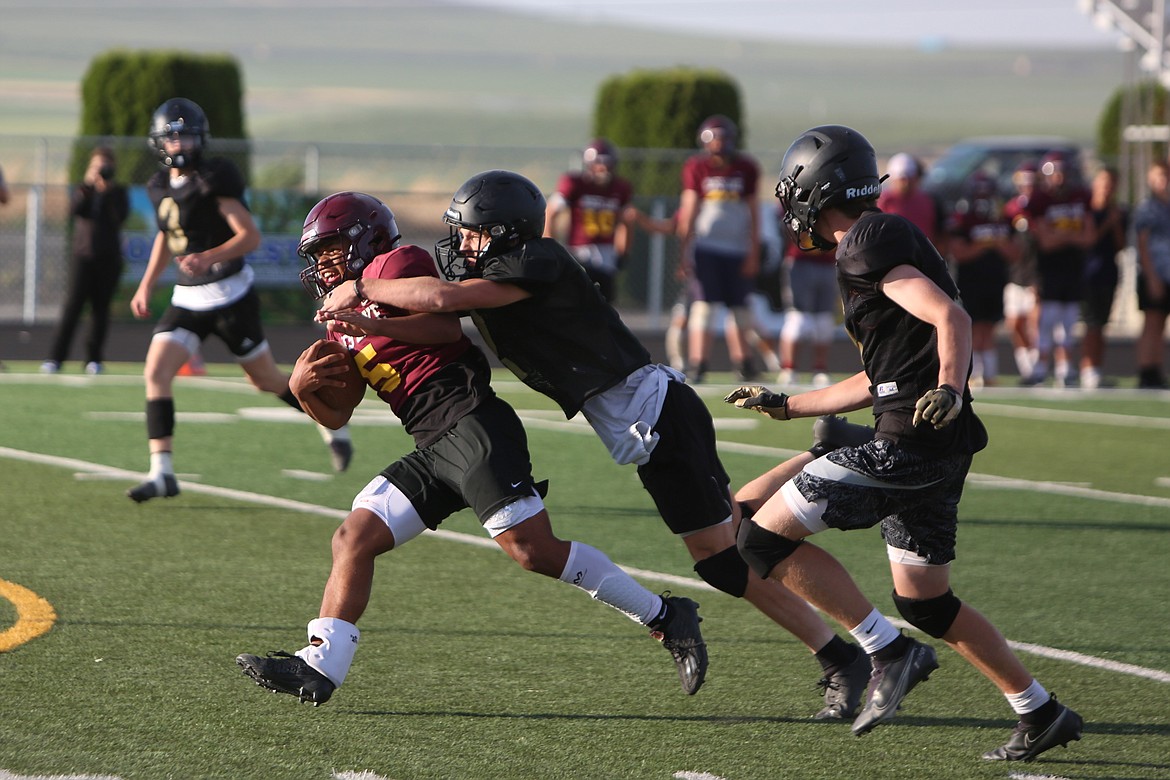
1057 23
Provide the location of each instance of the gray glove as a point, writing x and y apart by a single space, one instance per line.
939 406
760 399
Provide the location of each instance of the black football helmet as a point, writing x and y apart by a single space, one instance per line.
825 166
504 205
182 117
366 228
716 126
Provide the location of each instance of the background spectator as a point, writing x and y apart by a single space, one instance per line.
901 195
1151 222
1110 223
99 207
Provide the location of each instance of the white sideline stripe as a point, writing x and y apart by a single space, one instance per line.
6 775
696 776
1081 418
350 774
671 579
1028 776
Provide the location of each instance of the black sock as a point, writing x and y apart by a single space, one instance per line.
657 623
1045 713
290 399
894 650
836 655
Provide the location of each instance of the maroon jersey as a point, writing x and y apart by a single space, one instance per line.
724 219
595 209
1061 269
428 386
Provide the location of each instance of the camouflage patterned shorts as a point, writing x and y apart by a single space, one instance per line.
914 496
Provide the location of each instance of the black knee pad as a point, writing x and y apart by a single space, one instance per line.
934 616
160 418
762 549
726 571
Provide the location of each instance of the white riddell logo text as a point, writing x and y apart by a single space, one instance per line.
862 192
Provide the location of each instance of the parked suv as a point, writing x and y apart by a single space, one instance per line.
998 157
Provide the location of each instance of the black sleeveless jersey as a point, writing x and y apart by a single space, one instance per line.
189 214
564 341
898 351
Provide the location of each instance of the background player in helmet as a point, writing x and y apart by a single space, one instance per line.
470 450
596 202
718 222
1062 228
205 228
915 339
546 322
982 245
1021 306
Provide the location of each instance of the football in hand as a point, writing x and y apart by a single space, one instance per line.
354 389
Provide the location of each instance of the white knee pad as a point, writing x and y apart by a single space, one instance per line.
513 515
795 323
699 320
824 325
181 336
381 497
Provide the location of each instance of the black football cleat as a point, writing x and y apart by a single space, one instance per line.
282 672
891 681
1028 741
844 689
341 452
152 489
680 635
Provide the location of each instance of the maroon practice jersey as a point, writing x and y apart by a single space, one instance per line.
428 386
595 209
724 214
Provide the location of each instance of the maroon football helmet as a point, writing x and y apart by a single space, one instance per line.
366 228
718 126
600 151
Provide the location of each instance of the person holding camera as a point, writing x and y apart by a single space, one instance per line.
99 208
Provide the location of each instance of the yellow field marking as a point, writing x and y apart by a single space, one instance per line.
34 616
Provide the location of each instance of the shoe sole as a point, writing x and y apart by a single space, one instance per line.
254 673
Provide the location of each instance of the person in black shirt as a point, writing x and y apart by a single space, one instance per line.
99 207
205 228
902 309
470 451
548 323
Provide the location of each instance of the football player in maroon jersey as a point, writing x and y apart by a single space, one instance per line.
901 307
597 203
1062 228
982 245
205 228
470 451
718 222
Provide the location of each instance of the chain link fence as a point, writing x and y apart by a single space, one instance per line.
286 179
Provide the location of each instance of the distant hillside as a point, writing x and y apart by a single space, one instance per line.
418 73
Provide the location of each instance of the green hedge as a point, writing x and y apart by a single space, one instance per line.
121 89
662 109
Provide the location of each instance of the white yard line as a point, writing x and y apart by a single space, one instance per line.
85 467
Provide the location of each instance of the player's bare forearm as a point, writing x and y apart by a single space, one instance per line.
847 395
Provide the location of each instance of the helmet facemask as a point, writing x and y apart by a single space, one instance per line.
457 263
801 209
330 260
342 235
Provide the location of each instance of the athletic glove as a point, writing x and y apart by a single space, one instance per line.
760 399
939 406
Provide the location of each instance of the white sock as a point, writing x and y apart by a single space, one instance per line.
590 570
329 435
160 464
1031 698
990 365
1025 362
874 633
339 641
